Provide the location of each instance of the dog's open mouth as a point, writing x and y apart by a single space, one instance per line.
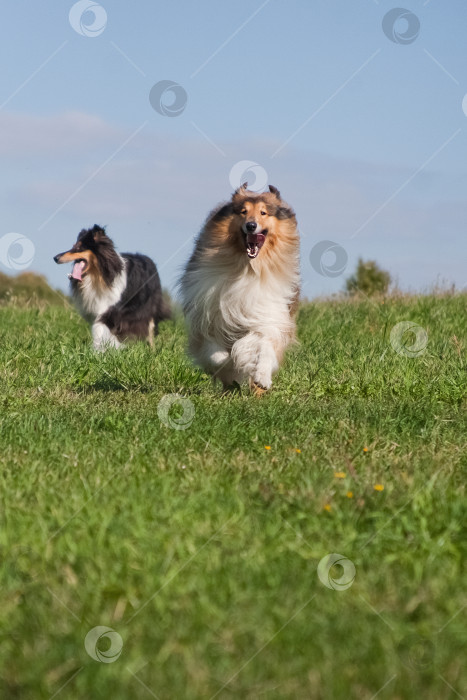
254 243
78 268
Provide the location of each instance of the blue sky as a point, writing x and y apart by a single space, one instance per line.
364 136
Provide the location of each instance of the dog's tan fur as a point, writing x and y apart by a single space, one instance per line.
230 297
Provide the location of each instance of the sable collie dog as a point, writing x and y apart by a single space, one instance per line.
120 295
240 288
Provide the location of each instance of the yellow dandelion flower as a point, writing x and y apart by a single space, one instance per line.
365 449
339 475
349 494
267 447
378 487
327 507
297 450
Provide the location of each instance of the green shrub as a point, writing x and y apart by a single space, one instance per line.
368 278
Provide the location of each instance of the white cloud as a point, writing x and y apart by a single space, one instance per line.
155 193
55 137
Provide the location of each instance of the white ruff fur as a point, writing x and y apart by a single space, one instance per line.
93 301
240 322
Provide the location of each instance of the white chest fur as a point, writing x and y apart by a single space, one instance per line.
93 302
226 306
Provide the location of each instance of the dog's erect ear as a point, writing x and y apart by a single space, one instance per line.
242 189
98 232
275 191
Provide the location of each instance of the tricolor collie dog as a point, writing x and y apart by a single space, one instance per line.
240 288
120 295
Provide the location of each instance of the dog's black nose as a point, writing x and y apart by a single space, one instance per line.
251 226
57 258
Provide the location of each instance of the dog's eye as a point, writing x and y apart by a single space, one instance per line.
263 213
243 211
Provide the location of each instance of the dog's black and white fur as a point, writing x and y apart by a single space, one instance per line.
119 294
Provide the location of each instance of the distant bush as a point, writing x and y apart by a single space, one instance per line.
368 278
28 288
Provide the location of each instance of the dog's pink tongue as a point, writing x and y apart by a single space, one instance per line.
77 269
255 239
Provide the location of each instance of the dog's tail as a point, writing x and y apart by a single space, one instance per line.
164 312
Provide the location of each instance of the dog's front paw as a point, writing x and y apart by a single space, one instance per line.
262 378
257 389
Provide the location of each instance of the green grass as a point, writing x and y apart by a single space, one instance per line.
200 547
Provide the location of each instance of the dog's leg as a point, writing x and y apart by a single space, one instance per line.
217 361
151 333
103 338
266 365
255 356
220 365
218 357
210 355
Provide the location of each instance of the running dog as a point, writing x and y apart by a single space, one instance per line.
119 294
241 286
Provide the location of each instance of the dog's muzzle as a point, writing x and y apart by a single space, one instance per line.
254 238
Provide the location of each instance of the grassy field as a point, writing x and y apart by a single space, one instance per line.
195 531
